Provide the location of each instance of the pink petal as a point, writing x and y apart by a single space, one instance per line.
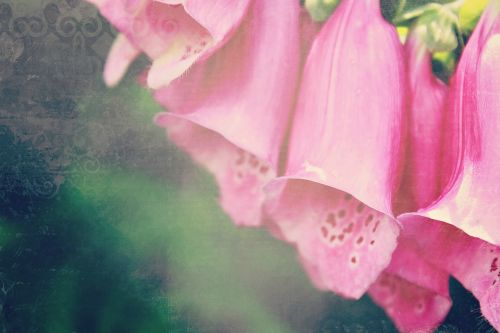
471 155
244 93
472 261
122 54
152 26
421 183
411 307
171 2
239 174
173 35
412 292
349 121
344 243
219 17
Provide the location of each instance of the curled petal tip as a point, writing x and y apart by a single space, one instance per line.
162 72
121 55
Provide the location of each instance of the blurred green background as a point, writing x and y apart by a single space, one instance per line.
106 227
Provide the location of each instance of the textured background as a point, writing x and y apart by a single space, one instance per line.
106 227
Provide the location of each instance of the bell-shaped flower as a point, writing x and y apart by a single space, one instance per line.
335 201
173 33
471 260
412 291
230 112
470 148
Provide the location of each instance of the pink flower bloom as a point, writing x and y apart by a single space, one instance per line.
346 139
413 292
231 111
471 151
471 260
173 33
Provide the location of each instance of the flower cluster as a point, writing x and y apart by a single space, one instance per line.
337 138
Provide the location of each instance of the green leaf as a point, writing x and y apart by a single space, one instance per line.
469 14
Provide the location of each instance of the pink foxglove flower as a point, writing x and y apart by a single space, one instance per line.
470 150
173 33
412 291
231 111
472 261
335 203
474 101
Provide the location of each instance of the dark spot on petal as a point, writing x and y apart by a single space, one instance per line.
241 157
341 237
263 169
332 238
493 283
324 232
254 162
360 207
353 260
360 240
376 226
369 218
347 197
372 242
494 266
349 228
342 213
330 219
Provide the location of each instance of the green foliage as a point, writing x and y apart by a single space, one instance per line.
320 10
170 226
